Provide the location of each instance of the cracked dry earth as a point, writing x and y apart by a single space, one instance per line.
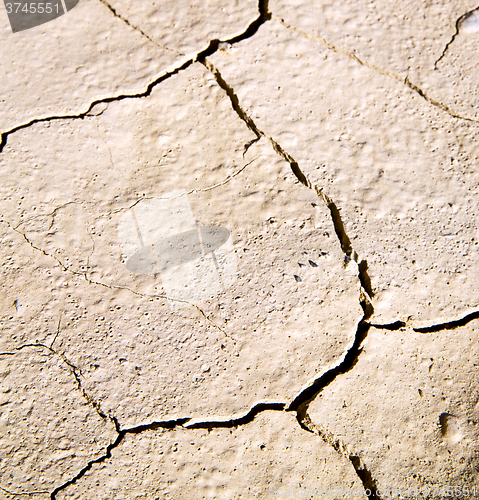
239 251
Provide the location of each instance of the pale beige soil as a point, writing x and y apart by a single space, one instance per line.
239 251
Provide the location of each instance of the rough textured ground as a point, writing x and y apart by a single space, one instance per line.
239 251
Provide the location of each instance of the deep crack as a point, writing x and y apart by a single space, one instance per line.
235 422
451 41
394 327
361 470
302 401
213 46
90 464
170 424
431 328
334 210
448 325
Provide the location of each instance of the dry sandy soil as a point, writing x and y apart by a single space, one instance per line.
239 251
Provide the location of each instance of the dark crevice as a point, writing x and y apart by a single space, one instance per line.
90 464
170 424
451 41
166 424
292 163
235 422
345 242
334 210
446 325
364 277
233 99
449 325
348 362
304 421
397 325
369 484
249 144
107 100
302 401
251 30
339 228
264 15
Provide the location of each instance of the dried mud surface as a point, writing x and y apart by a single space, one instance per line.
239 251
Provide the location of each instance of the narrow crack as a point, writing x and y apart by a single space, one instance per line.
51 214
107 215
131 25
263 16
451 41
84 275
74 370
379 70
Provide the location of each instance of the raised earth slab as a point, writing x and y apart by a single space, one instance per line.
431 44
94 53
268 458
48 430
400 169
194 274
409 409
